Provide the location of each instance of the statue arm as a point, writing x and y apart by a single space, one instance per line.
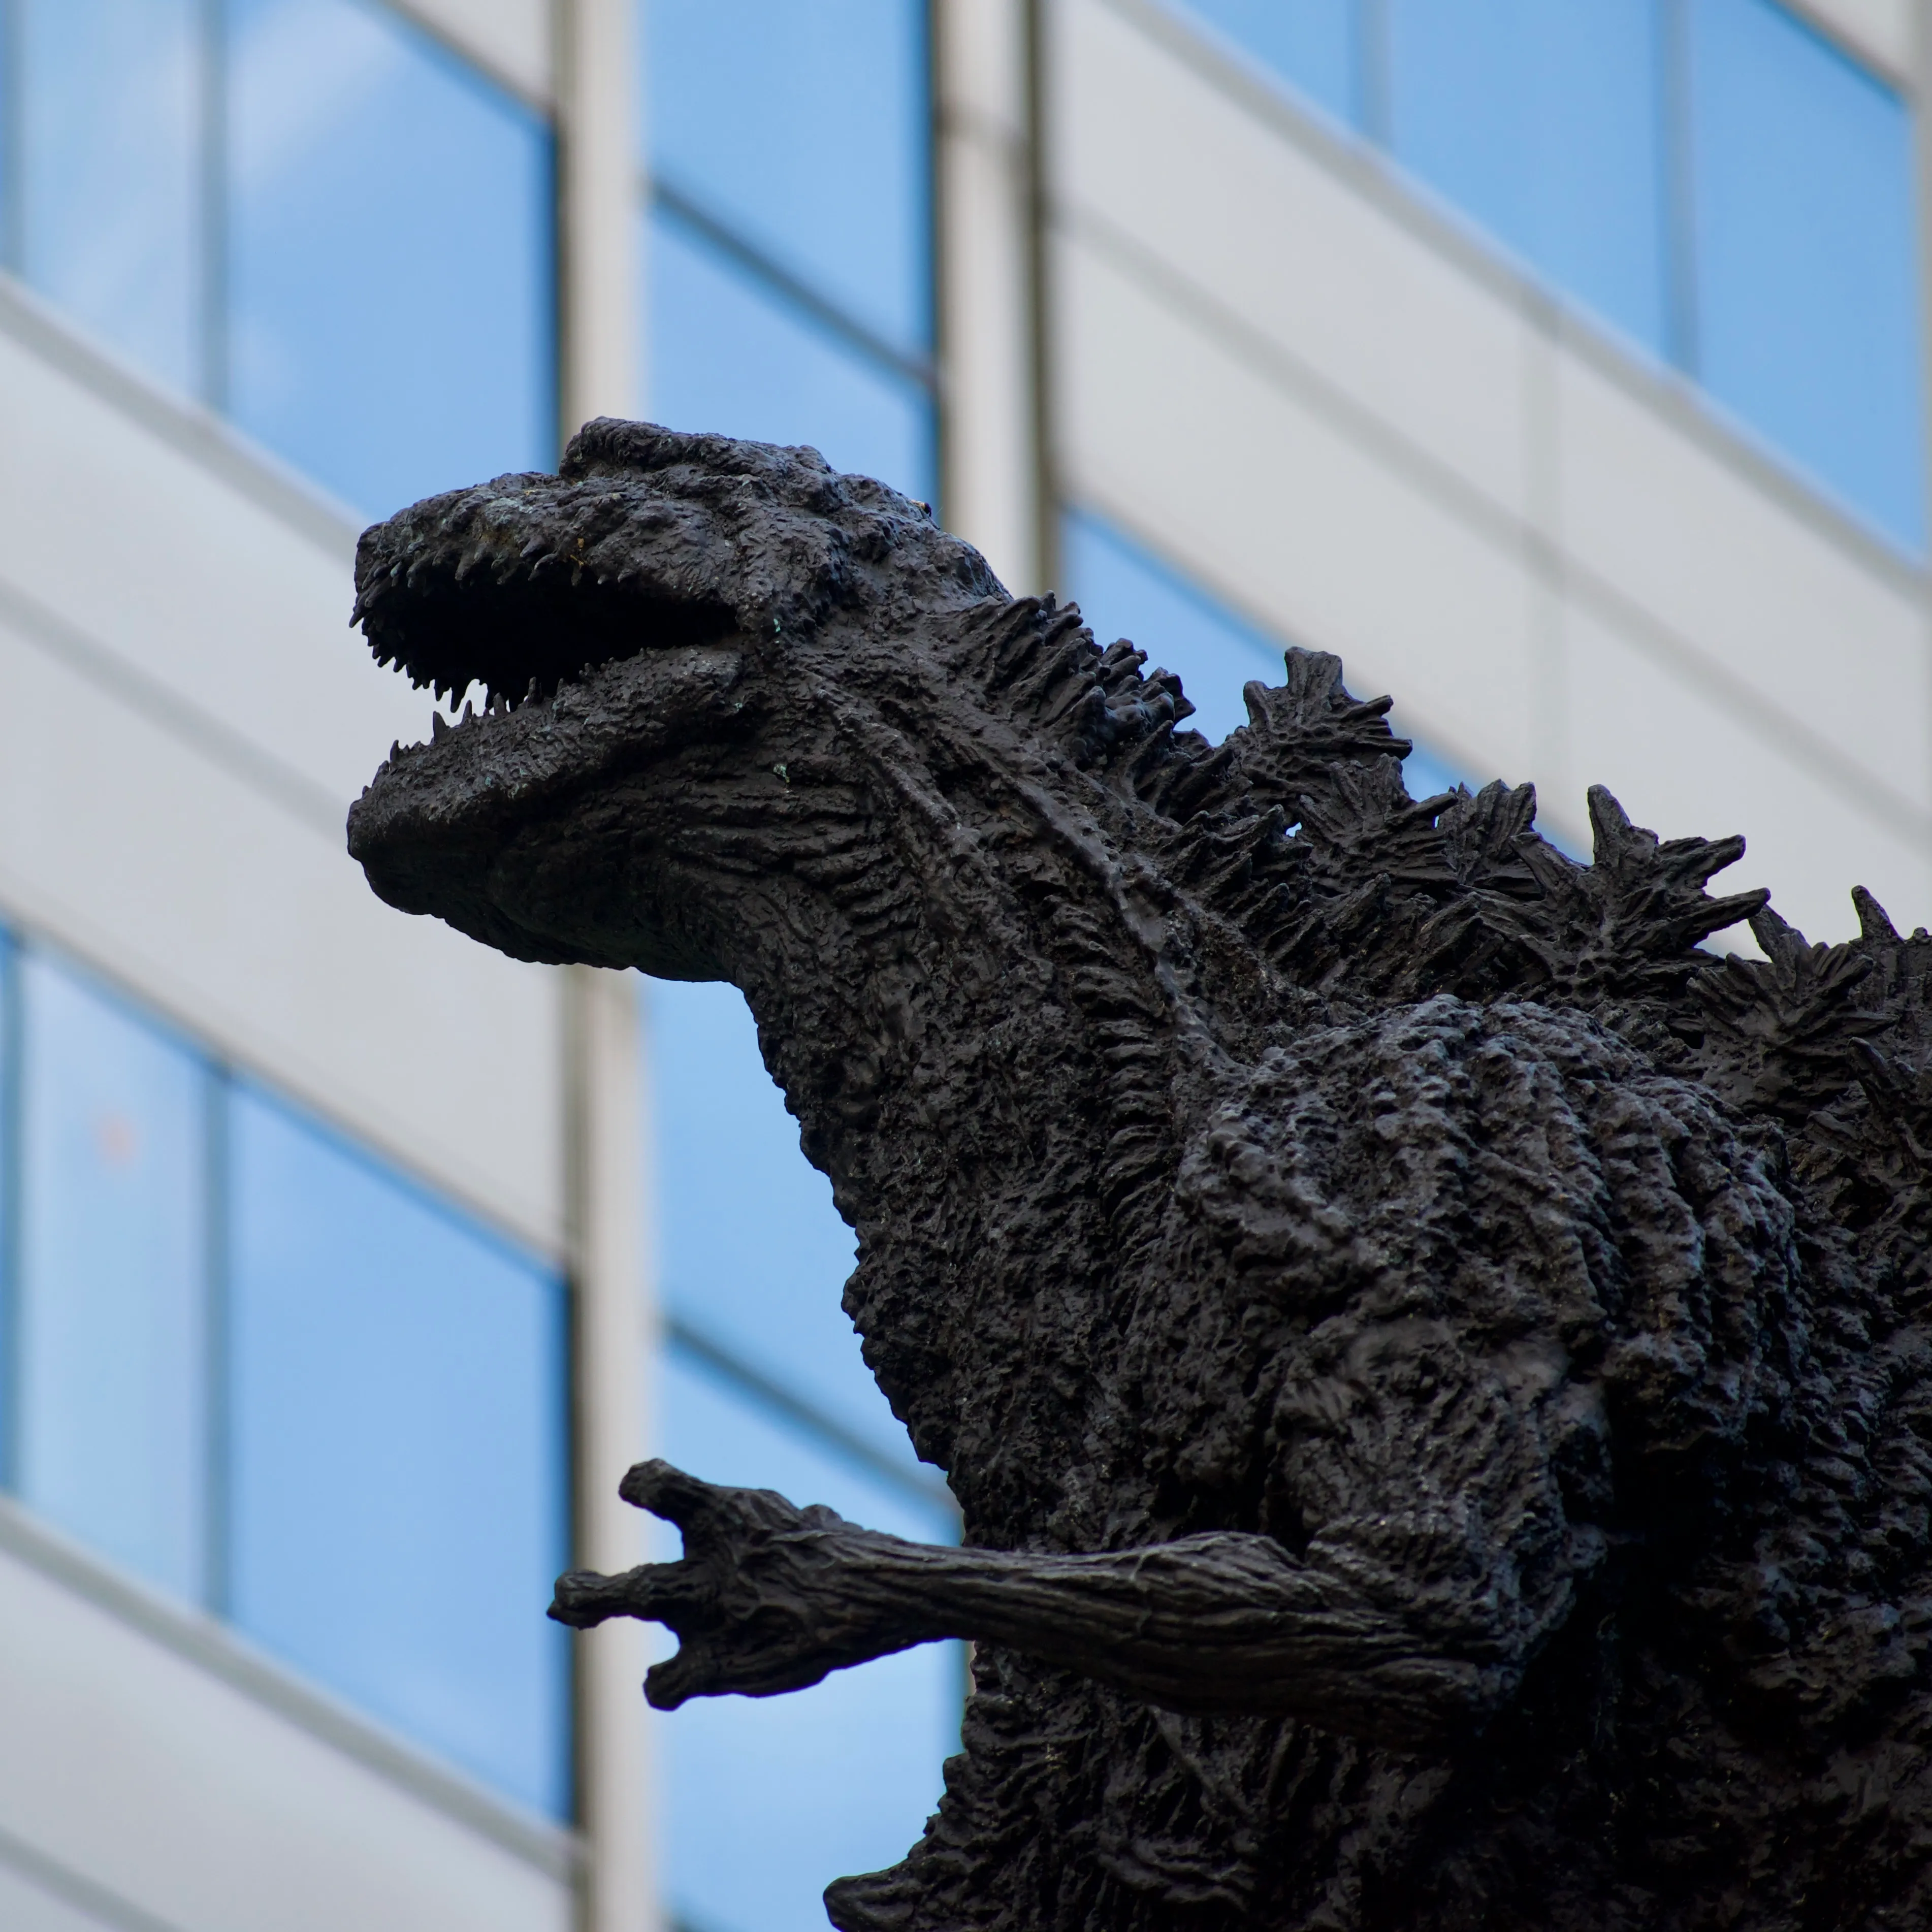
769 1598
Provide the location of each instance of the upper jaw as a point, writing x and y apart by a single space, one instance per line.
524 582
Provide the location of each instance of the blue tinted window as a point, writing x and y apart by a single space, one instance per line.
109 200
10 136
1122 591
1545 124
1316 44
753 1255
726 355
768 1799
390 264
1807 304
397 1435
112 1317
805 128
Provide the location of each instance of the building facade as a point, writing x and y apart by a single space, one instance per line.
1560 367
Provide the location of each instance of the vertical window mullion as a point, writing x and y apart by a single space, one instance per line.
10 1195
214 196
217 1567
1680 188
1372 82
12 147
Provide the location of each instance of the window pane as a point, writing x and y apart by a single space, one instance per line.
753 1255
10 139
110 194
113 1274
391 261
1314 44
397 1420
770 1798
1123 592
1544 124
727 356
1807 311
805 128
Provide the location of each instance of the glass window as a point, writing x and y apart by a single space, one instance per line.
9 137
768 1799
109 200
806 129
1124 593
390 260
397 1425
726 355
754 1255
112 1331
1544 123
1807 312
1315 44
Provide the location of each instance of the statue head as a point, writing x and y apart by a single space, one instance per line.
669 616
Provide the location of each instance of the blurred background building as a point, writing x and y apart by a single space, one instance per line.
1560 363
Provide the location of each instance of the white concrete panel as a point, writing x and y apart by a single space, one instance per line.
1267 504
512 38
1205 181
28 1906
175 566
1834 643
252 925
1684 767
1879 32
159 1784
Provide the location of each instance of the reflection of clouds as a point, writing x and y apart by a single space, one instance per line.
112 171
117 1139
300 69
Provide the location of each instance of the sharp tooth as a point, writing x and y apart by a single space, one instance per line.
395 750
465 718
438 727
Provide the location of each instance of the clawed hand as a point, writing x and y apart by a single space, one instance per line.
767 1597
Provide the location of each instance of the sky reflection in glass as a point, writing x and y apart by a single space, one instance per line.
1807 298
1123 592
391 331
804 128
1315 44
110 198
1717 180
112 1319
399 1465
753 1254
1545 124
726 355
769 1798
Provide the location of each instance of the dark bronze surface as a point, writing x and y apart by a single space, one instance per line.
1434 1363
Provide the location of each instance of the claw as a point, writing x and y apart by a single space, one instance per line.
583 1598
690 1673
666 1492
663 1593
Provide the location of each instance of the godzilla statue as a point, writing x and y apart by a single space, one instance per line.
1436 1366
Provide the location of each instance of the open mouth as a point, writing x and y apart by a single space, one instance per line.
494 586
